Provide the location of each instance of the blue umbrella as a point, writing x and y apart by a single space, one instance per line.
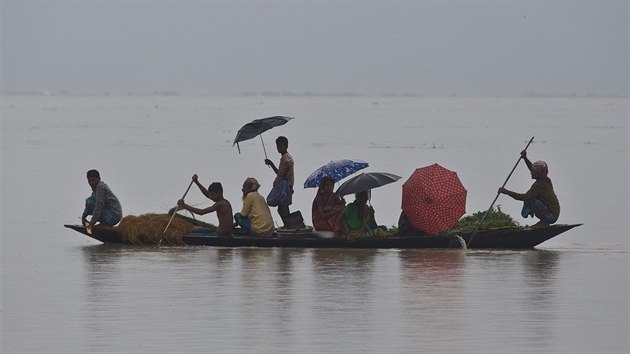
336 170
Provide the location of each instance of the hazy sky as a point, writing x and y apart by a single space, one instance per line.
363 47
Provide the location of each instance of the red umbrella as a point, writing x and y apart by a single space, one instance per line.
433 199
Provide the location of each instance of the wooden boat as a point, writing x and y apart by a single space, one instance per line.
502 238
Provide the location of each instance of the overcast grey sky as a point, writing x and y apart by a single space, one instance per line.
474 48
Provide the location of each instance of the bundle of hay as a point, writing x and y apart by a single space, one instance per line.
192 220
148 229
495 219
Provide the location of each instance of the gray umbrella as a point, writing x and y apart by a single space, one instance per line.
366 181
257 127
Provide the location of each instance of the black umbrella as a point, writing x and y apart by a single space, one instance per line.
257 127
366 181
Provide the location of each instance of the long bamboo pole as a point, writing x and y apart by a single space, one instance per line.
174 212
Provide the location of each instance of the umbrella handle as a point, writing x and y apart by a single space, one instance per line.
263 144
497 197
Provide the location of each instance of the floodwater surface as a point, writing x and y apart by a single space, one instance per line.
65 293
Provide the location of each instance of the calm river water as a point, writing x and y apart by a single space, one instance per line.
64 293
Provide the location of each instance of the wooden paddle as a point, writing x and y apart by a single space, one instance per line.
497 197
174 212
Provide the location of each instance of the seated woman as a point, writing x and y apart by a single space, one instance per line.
357 218
327 207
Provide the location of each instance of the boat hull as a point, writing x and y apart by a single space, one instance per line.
508 238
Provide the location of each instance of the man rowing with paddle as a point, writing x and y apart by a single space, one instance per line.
540 200
221 205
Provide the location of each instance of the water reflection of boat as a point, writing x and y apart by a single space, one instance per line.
504 238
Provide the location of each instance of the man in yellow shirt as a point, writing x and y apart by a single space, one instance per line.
255 217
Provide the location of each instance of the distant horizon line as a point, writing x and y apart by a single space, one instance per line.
166 93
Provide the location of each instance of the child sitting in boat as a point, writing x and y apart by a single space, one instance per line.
221 206
540 200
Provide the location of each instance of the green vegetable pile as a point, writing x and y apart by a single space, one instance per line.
495 219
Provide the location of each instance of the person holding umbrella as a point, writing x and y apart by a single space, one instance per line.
282 192
357 218
540 200
433 200
327 207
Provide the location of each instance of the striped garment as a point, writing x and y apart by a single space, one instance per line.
286 170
